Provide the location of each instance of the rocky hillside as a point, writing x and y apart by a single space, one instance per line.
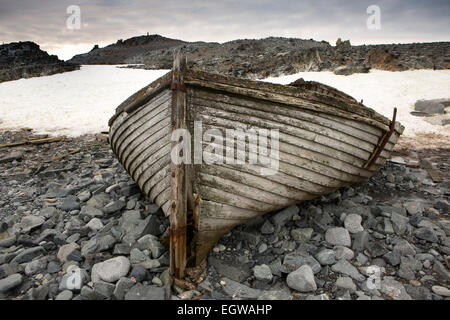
25 60
273 56
126 51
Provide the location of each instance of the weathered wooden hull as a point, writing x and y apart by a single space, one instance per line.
326 141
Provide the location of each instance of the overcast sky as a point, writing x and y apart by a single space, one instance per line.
105 21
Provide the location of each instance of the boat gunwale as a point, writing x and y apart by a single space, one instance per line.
329 104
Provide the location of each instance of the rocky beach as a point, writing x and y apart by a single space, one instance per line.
73 225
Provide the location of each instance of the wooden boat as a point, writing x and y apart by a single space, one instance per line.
327 140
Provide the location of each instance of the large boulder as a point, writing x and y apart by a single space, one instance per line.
435 106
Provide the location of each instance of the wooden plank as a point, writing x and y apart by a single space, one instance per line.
322 155
178 216
281 113
141 125
241 188
146 149
163 152
248 87
294 101
124 121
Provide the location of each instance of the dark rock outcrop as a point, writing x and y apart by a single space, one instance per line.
271 56
126 51
25 60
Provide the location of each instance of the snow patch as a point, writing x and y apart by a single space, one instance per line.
384 90
72 103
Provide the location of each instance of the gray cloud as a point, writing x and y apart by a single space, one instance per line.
106 21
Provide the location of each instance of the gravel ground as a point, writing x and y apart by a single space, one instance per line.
77 227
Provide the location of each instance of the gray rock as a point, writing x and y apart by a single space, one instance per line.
134 227
48 212
275 267
285 215
95 224
145 292
70 203
392 257
151 242
418 293
408 266
294 260
53 267
122 249
91 212
302 279
10 282
111 270
362 258
267 228
84 195
344 267
65 250
338 236
30 223
343 253
114 207
8 242
302 234
236 290
275 295
352 223
35 266
64 295
400 223
122 287
252 237
404 248
39 293
230 269
394 289
413 207
427 234
326 257
97 245
430 106
139 273
346 283
361 241
28 255
442 291
104 288
137 256
89 294
377 249
441 270
263 273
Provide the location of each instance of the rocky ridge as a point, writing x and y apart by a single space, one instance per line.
25 60
274 56
73 225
